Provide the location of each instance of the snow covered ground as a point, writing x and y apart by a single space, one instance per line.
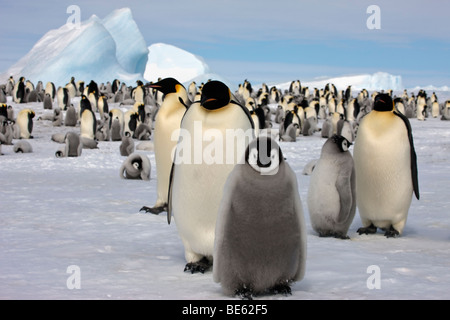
66 217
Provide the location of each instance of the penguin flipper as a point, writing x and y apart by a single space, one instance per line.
169 196
414 174
343 187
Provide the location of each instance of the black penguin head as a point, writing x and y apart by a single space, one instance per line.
166 85
341 142
383 102
264 155
215 95
137 164
84 104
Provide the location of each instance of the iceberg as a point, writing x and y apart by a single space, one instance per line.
165 60
372 82
131 48
88 52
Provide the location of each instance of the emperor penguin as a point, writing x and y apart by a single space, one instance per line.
92 96
19 91
73 146
48 101
22 146
435 109
71 88
71 117
3 98
130 122
138 93
24 122
446 111
50 89
88 121
57 117
214 135
2 141
102 105
165 135
136 166
127 146
116 123
260 235
7 129
331 193
386 168
192 90
62 96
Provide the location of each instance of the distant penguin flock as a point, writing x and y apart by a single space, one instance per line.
221 174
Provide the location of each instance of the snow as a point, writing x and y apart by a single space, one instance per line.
57 213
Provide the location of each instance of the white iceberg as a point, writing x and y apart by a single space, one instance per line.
87 52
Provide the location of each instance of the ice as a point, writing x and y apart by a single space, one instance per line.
377 81
131 48
88 51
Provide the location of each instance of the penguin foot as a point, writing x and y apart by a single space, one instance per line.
281 288
367 230
391 233
244 293
199 266
325 234
154 210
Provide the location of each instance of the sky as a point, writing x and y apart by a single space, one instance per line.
268 41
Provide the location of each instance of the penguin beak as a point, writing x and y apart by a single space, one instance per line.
153 85
205 100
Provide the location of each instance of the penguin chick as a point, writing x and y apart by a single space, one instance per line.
22 146
331 193
260 245
127 145
136 166
73 146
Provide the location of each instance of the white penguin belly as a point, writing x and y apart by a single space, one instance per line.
166 126
200 177
383 173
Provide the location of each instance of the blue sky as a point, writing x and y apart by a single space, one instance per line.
267 41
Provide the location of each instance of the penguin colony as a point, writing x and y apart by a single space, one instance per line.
209 203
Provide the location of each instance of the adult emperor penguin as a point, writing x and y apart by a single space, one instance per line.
25 123
88 121
331 192
19 91
260 244
214 135
386 169
167 124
